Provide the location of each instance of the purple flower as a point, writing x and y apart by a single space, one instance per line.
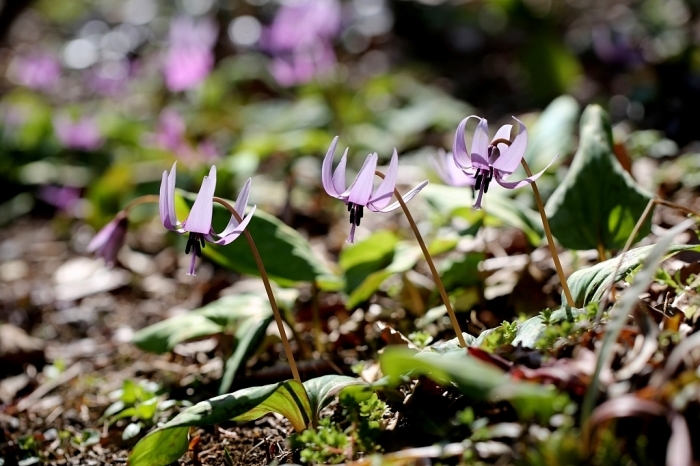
171 130
61 197
189 59
359 195
109 240
300 40
495 160
198 223
82 134
40 71
446 169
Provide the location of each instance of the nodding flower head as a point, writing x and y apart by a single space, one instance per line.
198 223
361 192
110 239
497 159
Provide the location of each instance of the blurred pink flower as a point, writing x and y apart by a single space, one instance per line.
189 58
170 134
110 239
300 40
110 78
82 134
61 197
40 71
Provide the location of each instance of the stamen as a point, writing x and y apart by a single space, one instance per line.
358 214
479 178
352 216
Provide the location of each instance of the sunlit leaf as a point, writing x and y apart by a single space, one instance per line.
598 202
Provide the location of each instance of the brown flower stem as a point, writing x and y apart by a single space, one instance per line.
147 199
433 270
601 252
268 289
550 240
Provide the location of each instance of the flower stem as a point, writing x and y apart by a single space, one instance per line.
268 289
433 270
147 199
550 240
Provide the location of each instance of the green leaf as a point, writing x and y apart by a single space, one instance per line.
462 272
588 285
598 202
249 336
131 431
366 257
286 254
553 133
406 256
169 442
322 390
530 331
211 319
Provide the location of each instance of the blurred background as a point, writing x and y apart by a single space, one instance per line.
98 97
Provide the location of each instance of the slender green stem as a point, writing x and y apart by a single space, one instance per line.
550 239
268 289
433 270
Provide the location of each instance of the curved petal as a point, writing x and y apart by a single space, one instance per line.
166 200
199 220
480 145
502 133
361 189
405 198
339 174
382 196
327 177
517 184
239 207
448 171
511 157
234 233
459 146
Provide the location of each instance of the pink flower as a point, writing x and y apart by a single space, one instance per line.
110 239
189 59
41 71
83 134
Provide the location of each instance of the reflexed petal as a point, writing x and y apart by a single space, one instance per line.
229 236
385 190
241 204
511 157
110 239
502 133
448 171
405 198
480 145
361 189
459 146
327 171
517 184
339 174
166 200
199 220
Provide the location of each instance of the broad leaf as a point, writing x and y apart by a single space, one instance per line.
462 272
406 256
366 257
530 331
553 133
286 254
249 336
322 390
588 285
169 442
598 202
215 317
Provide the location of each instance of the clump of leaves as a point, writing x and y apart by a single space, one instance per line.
352 435
139 402
564 329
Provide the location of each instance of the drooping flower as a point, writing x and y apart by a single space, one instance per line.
110 239
198 223
359 195
495 160
83 134
170 134
446 169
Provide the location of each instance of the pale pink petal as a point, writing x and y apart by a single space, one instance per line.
361 189
510 159
234 233
518 184
327 177
199 220
480 145
382 196
339 174
405 198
